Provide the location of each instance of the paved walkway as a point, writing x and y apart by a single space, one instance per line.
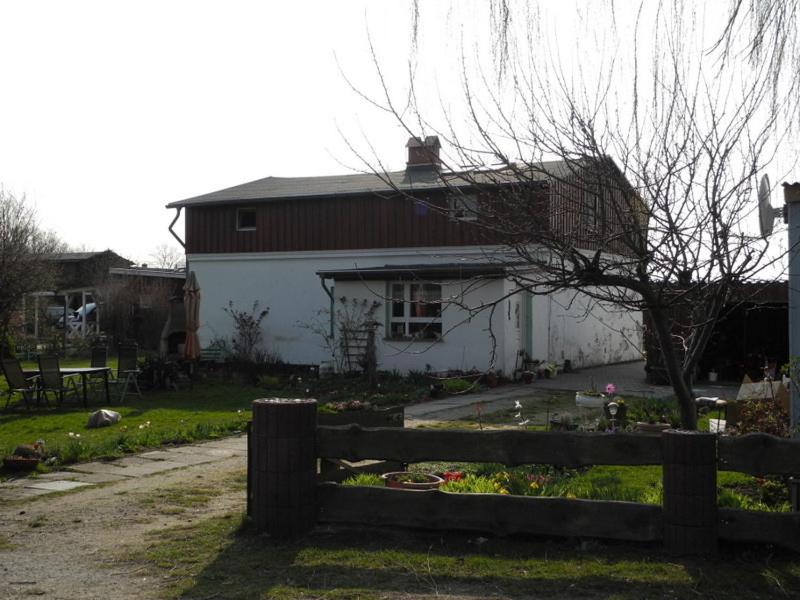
128 467
629 378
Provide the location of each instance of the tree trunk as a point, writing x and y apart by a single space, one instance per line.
683 391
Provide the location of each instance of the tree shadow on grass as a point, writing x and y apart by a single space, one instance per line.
352 562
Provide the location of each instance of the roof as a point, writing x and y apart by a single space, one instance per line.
415 272
76 256
410 180
148 272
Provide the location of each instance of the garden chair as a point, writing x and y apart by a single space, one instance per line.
127 371
99 358
19 384
52 381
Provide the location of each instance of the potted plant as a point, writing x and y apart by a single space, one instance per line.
25 457
406 480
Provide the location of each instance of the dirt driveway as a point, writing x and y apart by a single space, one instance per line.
69 546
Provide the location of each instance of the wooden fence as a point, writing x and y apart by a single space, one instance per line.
285 497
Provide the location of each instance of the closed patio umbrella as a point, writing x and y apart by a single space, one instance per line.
191 301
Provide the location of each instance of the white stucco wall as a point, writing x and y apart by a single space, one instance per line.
466 343
287 283
570 326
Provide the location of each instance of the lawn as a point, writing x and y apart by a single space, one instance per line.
207 411
220 558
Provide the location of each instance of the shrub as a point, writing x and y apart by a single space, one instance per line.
456 386
764 416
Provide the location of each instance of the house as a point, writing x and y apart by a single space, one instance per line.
77 279
407 241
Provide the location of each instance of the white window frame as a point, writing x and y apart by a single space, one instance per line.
239 211
463 206
407 319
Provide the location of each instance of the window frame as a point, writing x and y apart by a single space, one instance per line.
407 320
239 212
463 206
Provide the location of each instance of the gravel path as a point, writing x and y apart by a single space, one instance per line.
69 546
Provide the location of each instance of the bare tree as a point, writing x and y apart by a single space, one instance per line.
167 257
629 182
24 267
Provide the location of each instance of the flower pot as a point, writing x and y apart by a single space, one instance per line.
589 400
404 480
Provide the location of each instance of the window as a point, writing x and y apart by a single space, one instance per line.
463 207
246 219
415 311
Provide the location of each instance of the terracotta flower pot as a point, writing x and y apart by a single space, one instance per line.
404 480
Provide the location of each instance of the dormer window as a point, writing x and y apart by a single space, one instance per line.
246 219
463 207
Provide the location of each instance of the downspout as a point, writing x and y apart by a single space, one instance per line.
330 296
175 235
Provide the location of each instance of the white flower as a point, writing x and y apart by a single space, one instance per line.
70 434
518 415
517 405
525 422
141 426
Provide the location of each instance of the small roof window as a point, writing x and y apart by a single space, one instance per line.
246 219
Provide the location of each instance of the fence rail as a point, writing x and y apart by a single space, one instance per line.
282 468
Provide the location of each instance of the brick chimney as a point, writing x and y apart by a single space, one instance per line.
423 153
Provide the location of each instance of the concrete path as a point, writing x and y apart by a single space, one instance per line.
629 378
128 467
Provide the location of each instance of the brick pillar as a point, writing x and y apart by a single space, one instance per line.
283 466
690 492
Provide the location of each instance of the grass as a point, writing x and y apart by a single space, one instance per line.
179 499
220 558
207 411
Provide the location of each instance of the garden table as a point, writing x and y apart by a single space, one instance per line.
85 373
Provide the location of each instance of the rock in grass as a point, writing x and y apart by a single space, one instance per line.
103 418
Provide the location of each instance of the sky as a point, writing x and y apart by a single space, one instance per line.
111 110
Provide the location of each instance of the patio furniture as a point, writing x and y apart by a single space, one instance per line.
127 370
18 383
52 380
99 358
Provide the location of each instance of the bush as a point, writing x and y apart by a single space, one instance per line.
652 410
456 386
763 416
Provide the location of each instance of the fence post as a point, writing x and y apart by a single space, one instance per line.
690 492
283 466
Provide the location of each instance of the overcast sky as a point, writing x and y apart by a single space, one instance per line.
111 110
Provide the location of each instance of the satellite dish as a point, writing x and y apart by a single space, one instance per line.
766 213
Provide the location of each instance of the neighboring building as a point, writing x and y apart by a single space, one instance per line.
77 278
138 304
751 334
297 244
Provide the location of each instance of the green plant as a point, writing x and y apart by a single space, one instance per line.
763 415
368 479
470 484
457 386
653 410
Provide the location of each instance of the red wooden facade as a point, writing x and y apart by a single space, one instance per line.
371 221
343 223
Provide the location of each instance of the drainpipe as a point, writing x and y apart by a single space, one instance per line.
177 237
330 296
